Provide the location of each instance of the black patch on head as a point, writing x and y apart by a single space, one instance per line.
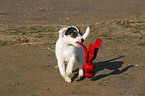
72 32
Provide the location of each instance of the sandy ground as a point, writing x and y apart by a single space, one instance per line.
29 30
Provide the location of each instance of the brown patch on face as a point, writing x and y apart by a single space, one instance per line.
68 35
71 32
74 34
75 31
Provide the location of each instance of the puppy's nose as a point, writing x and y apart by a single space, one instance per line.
82 40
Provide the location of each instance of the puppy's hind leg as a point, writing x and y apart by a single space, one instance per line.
61 66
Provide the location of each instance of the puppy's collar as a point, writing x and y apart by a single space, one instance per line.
74 27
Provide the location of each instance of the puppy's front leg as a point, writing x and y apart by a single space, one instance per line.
81 63
61 66
70 65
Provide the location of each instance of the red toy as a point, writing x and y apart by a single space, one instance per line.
90 55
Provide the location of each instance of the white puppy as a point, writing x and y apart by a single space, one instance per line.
67 50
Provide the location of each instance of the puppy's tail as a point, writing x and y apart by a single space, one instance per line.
86 33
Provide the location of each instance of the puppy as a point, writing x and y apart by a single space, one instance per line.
68 51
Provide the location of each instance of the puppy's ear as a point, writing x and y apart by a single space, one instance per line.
86 33
62 32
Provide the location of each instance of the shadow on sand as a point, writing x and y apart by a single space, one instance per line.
110 65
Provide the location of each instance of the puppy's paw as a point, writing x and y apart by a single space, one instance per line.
80 76
68 80
81 73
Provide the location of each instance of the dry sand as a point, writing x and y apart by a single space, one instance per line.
29 30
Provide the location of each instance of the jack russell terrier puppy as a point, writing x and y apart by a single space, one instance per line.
68 51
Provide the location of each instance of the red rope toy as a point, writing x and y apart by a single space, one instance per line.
90 55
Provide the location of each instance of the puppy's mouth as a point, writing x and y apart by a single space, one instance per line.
79 43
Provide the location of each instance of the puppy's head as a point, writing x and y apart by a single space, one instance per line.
73 35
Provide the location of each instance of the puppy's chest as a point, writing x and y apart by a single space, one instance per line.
69 52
